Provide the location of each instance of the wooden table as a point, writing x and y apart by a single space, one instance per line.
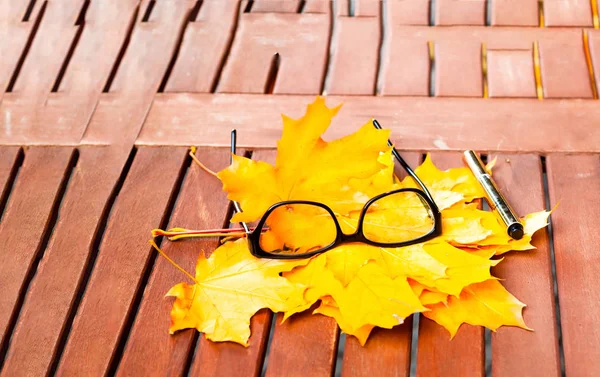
101 99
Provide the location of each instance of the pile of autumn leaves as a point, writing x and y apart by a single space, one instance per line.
446 279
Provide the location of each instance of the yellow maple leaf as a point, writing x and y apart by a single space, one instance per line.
309 168
486 304
330 309
230 287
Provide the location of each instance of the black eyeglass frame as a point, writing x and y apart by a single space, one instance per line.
341 237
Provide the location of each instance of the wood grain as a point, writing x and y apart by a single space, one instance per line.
25 223
458 69
567 13
459 12
514 13
573 181
297 38
57 280
564 70
354 66
437 354
406 68
510 73
387 351
424 123
123 257
201 205
528 276
10 163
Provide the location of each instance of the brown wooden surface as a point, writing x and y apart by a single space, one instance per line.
70 250
82 83
27 222
123 258
437 355
572 181
528 276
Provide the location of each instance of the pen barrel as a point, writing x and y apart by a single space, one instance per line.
496 200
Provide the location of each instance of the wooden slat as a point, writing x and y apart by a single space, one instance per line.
510 73
305 344
406 68
53 40
564 70
424 123
460 12
298 38
528 276
64 115
568 13
280 6
573 182
56 282
25 222
494 37
386 351
354 65
14 33
120 114
514 13
437 355
201 205
594 46
10 161
204 48
408 12
123 257
458 69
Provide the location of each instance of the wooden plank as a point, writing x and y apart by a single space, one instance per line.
280 6
510 73
201 205
386 351
231 359
297 38
56 283
514 13
528 276
564 70
573 181
459 12
123 258
458 69
568 13
424 123
10 163
305 344
204 48
437 354
120 114
31 207
408 12
594 47
64 115
495 38
48 51
14 34
406 68
360 8
354 65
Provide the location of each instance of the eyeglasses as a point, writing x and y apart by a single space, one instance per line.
296 229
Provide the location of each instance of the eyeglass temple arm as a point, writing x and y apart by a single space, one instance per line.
405 165
236 205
